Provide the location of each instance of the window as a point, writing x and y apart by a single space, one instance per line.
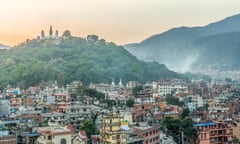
63 141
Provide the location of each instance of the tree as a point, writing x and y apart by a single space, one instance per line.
173 101
42 34
228 80
189 131
92 38
130 102
137 89
50 31
178 127
66 34
89 127
185 113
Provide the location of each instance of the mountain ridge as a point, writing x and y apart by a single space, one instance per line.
177 48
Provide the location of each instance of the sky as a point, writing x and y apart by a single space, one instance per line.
119 21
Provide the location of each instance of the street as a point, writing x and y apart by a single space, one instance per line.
165 140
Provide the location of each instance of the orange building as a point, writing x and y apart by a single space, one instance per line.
214 132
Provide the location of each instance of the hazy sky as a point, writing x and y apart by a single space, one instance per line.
120 21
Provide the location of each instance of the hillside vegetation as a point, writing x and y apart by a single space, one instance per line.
72 58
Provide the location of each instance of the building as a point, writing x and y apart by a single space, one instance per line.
150 134
54 134
77 113
134 139
16 102
6 138
80 138
168 86
219 112
4 107
95 139
214 132
110 129
236 130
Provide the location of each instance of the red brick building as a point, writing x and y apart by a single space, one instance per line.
214 132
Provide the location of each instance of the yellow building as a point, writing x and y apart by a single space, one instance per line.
110 129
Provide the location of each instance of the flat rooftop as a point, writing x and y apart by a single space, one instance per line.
204 124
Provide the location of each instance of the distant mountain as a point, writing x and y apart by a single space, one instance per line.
4 46
185 48
72 58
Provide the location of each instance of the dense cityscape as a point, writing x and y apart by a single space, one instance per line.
164 111
119 72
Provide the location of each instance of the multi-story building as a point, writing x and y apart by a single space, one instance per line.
16 102
168 86
57 118
77 113
54 135
214 132
110 129
219 112
4 107
236 129
28 101
150 134
6 137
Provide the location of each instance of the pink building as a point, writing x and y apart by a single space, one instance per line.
16 102
150 134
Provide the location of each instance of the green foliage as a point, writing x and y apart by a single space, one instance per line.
89 127
74 59
130 102
93 93
173 101
185 113
137 89
228 80
176 126
66 34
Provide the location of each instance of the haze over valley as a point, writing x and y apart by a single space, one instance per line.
214 47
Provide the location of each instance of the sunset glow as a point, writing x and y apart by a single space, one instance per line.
122 21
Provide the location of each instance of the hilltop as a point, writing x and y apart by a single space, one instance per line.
68 58
3 47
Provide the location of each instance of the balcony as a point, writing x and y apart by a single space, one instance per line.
115 124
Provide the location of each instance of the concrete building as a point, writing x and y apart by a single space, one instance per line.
54 135
214 132
110 129
150 134
77 113
219 113
6 137
4 107
16 102
168 86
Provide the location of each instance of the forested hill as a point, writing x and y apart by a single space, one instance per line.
72 58
211 47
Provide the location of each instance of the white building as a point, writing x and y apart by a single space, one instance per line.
165 87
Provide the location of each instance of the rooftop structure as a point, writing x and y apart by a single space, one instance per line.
214 132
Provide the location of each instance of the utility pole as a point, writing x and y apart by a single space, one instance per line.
182 135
